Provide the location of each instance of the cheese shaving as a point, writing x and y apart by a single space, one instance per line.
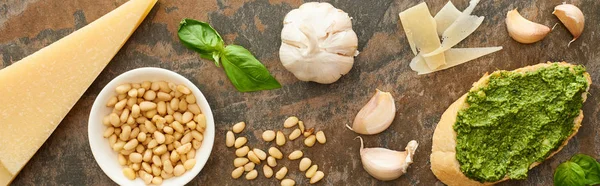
454 57
420 29
445 17
464 25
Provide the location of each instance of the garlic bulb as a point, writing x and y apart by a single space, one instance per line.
376 116
385 164
318 43
572 18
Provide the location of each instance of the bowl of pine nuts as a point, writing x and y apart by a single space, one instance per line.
151 126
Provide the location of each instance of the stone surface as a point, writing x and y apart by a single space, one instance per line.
66 159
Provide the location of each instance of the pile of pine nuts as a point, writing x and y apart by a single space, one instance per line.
156 128
247 159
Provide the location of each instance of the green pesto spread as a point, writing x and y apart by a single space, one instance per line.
516 120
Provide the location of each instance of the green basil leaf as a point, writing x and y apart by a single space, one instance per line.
245 71
590 166
202 38
569 174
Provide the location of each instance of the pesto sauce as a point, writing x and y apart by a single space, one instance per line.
517 119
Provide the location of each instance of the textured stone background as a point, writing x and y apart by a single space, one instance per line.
66 159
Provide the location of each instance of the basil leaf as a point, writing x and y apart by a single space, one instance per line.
202 38
245 71
569 174
590 166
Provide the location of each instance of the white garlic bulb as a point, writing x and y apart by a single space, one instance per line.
318 43
385 164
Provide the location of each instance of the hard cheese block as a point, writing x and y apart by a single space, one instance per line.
37 92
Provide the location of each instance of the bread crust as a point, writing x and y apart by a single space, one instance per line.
444 164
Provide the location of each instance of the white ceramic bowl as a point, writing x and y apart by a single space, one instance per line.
107 158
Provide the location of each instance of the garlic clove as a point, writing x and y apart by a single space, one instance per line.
376 116
523 30
385 164
572 18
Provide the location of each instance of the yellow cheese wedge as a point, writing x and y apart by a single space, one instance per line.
421 32
37 92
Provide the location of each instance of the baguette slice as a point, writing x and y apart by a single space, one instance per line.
444 164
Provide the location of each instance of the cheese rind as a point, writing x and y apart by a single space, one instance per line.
420 29
38 91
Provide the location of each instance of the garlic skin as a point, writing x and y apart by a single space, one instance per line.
572 18
318 43
376 116
385 164
523 30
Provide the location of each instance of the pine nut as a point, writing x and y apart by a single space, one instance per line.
191 125
114 119
249 166
125 132
184 148
132 93
174 157
121 105
187 117
122 89
164 87
134 133
157 180
163 96
308 132
191 99
112 140
135 157
183 89
273 151
140 148
310 141
141 137
112 101
295 134
239 142
178 127
157 161
152 144
252 157
268 135
160 149
239 127
147 155
140 92
131 102
174 104
241 152
288 182
131 144
183 105
267 171
189 164
252 175
318 176
187 138
146 106
150 95
237 173
281 173
238 162
197 135
128 172
301 126
108 132
155 170
121 97
161 107
321 137
146 167
106 121
194 108
295 155
167 166
196 144
280 139
260 154
178 170
311 171
290 122
304 164
191 154
124 115
122 160
271 161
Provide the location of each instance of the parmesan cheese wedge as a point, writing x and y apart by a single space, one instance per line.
420 29
445 17
454 56
464 25
38 91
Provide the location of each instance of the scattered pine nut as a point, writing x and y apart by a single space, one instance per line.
290 122
239 142
270 161
267 171
297 154
252 175
249 166
239 127
318 176
295 134
281 173
241 152
260 154
310 141
308 132
321 137
311 171
229 139
288 182
273 151
280 139
237 173
304 164
252 157
268 135
238 162
301 126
